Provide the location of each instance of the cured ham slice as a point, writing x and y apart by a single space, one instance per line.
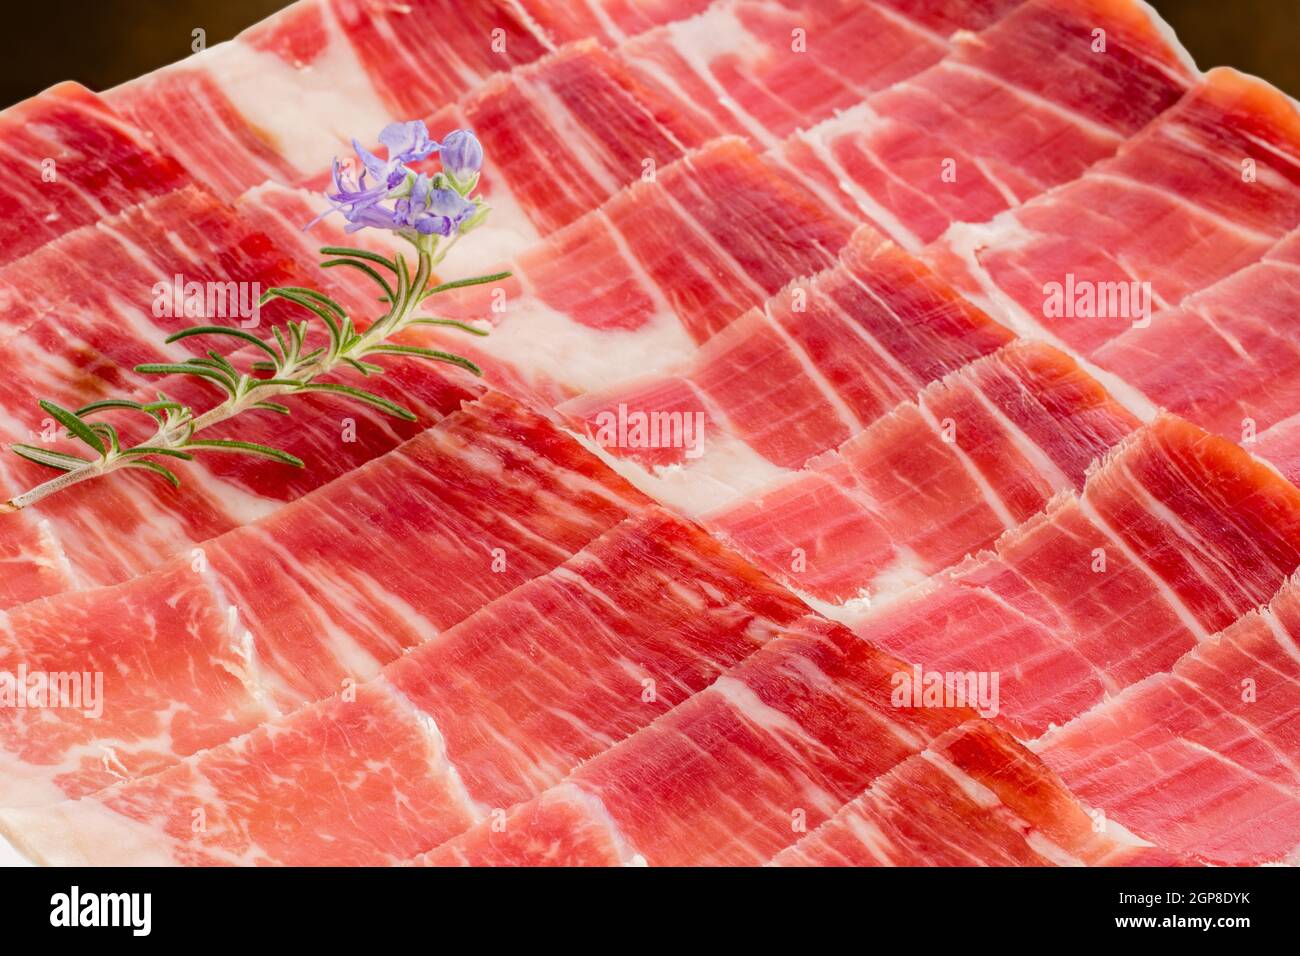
1178 534
571 130
500 706
275 103
610 20
72 161
734 775
664 264
1280 445
1227 358
282 98
1203 758
975 797
763 68
1025 105
287 94
934 480
265 618
821 360
1206 189
945 17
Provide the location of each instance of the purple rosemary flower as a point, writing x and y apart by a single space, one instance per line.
462 156
422 205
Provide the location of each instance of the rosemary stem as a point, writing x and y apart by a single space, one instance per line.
175 434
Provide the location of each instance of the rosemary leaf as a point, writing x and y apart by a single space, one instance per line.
74 425
272 407
158 450
189 368
431 354
49 458
462 283
392 408
365 368
366 254
317 296
107 432
252 448
324 313
107 403
452 323
222 330
160 470
368 270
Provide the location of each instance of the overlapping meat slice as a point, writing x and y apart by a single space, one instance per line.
665 263
937 479
975 797
290 92
739 772
72 161
498 708
1227 358
822 360
1025 105
1174 537
287 609
1204 758
763 68
566 133
1203 191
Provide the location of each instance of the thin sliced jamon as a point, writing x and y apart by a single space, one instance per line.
507 703
1280 445
609 20
945 17
763 68
299 605
562 827
72 161
1027 104
975 797
1228 357
31 562
1203 191
737 773
821 360
1175 536
275 103
1204 759
116 289
663 264
424 54
937 479
566 133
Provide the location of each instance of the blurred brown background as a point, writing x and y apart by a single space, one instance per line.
104 42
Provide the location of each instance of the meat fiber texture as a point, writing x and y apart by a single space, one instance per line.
495 637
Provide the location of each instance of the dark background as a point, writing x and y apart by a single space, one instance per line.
105 42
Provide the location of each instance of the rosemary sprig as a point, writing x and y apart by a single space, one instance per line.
286 366
416 206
